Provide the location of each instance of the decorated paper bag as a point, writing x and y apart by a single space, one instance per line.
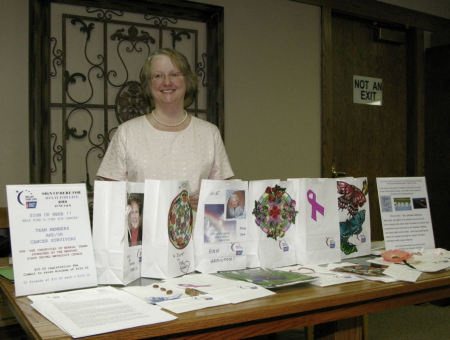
220 231
272 212
317 223
117 231
354 216
167 248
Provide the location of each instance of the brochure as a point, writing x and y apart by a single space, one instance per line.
405 213
267 278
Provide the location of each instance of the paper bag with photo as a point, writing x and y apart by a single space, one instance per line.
354 216
117 231
220 231
271 228
317 222
167 247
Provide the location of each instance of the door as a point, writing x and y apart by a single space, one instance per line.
437 139
364 140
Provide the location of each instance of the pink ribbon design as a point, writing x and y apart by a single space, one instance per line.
314 205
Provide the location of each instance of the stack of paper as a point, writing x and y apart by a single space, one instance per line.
197 291
97 310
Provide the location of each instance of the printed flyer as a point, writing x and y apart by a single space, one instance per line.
50 238
405 213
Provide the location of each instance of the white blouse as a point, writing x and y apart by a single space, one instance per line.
138 151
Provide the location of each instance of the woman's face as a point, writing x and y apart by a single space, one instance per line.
134 215
234 202
167 84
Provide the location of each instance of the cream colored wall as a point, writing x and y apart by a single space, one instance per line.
272 88
14 162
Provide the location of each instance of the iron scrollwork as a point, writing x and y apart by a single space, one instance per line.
133 38
104 14
57 57
129 101
160 21
178 36
201 70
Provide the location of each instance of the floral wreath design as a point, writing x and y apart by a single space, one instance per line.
275 212
180 221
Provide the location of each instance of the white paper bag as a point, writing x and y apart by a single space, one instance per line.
317 222
167 248
220 231
117 231
272 212
354 216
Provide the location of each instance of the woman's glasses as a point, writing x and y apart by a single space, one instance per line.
160 77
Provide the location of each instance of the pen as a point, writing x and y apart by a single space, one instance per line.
409 265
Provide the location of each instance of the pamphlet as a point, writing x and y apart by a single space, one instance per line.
267 278
405 213
50 238
97 310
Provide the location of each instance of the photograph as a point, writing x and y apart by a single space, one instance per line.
235 204
135 205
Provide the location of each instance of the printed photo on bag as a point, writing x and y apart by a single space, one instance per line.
216 229
235 204
135 208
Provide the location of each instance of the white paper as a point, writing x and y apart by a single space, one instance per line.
50 238
405 213
230 291
317 223
428 261
97 310
117 256
173 298
167 246
220 233
402 273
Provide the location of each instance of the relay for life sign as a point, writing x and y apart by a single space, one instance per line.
367 90
50 238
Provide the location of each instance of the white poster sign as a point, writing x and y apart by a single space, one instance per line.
405 213
367 90
50 238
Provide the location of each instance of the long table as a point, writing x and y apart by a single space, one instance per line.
291 307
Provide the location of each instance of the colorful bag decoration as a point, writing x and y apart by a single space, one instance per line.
354 221
275 212
167 247
271 231
180 220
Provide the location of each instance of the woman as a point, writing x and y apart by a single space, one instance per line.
134 223
167 143
234 207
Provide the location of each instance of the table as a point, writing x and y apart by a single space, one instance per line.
291 307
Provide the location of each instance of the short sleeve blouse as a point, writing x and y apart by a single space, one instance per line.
138 151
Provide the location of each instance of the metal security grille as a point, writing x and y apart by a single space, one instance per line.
96 57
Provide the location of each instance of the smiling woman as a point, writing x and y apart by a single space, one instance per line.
167 143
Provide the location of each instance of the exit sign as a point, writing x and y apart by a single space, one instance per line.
367 90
